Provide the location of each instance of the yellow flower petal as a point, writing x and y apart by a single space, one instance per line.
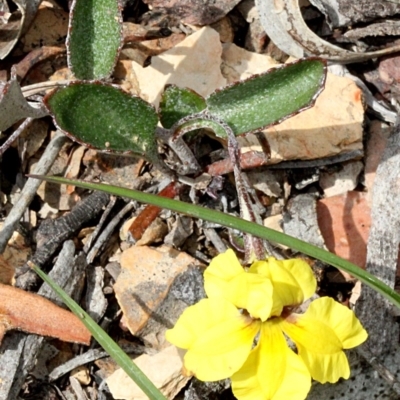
222 269
226 278
319 348
218 338
251 292
293 281
272 371
325 368
320 335
341 319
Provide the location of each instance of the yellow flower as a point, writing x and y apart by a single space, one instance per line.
258 306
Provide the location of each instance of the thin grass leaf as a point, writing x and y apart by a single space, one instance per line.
105 341
241 225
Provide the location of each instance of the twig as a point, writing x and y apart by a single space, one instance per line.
15 134
213 237
108 231
41 86
52 233
30 188
99 226
89 356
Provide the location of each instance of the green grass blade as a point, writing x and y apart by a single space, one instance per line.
242 225
105 341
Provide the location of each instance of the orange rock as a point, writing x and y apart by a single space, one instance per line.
344 222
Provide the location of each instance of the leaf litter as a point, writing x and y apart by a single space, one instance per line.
315 154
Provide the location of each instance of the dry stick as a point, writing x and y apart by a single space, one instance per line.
100 225
41 86
15 134
30 188
107 232
52 234
214 238
85 358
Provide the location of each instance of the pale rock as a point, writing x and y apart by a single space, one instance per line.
60 197
225 30
81 374
154 233
124 231
274 222
238 64
33 219
341 181
163 369
265 181
153 289
193 63
74 166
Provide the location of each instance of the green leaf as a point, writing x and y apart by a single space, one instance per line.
94 38
269 98
104 117
104 340
242 225
177 103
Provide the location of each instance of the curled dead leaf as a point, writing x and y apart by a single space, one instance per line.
284 24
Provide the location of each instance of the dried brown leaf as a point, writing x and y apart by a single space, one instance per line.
284 24
17 22
32 313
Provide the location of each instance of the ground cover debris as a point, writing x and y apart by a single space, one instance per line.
326 175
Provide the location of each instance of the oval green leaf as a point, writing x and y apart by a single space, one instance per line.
104 117
177 103
94 38
269 98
